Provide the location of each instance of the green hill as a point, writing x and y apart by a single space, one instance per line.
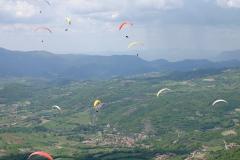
134 122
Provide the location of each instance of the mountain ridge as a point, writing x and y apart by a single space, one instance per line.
229 55
83 67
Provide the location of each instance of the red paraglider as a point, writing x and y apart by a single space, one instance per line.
41 154
124 24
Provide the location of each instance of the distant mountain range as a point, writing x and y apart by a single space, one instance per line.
229 55
49 65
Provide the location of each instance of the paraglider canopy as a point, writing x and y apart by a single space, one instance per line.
68 20
57 107
219 101
162 91
134 44
41 154
97 104
43 29
124 24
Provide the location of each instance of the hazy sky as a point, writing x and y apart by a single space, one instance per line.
169 28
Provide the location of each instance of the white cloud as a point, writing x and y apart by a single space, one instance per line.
102 10
17 9
83 6
159 4
17 26
95 23
124 7
229 3
115 15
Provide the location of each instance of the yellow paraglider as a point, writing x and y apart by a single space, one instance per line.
137 45
134 44
68 20
97 105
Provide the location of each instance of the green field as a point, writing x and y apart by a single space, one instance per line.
134 124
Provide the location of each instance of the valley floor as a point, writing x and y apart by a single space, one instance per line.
133 124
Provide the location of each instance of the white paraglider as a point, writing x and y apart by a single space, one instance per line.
162 91
57 107
219 101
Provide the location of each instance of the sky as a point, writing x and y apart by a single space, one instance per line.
170 29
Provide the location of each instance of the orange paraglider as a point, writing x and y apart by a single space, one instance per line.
41 154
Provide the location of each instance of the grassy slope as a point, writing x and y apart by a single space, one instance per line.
132 107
